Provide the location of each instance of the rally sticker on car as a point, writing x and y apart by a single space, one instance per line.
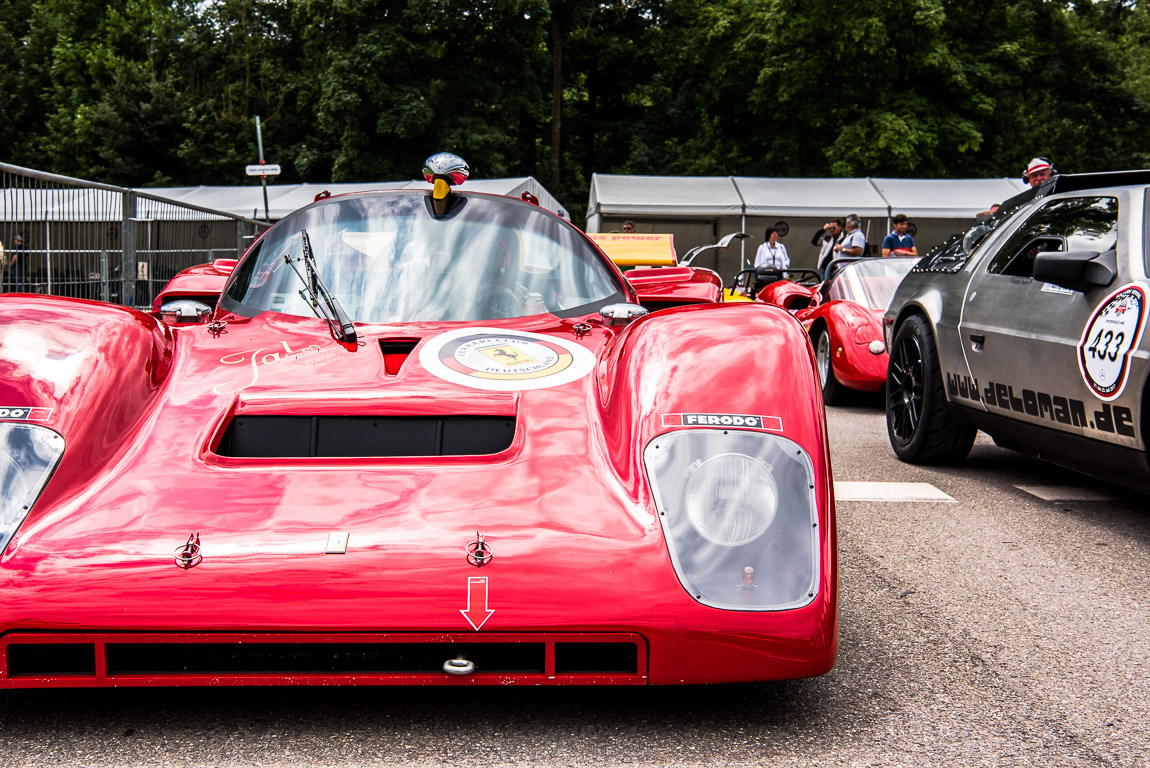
1112 333
24 413
736 420
499 360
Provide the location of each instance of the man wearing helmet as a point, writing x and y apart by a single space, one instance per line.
1039 170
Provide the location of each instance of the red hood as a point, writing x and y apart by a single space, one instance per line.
140 475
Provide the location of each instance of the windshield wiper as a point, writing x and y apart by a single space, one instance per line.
319 298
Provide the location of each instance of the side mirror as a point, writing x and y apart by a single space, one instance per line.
185 312
1076 270
973 237
619 315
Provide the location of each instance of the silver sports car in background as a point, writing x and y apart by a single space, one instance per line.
1029 326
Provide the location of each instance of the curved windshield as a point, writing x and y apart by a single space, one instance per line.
870 282
386 258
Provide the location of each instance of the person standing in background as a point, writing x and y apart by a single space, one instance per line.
1039 170
772 254
826 239
854 244
771 260
17 258
898 242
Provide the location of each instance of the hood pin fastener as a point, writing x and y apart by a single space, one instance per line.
479 551
188 556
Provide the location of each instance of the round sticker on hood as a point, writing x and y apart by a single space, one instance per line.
499 360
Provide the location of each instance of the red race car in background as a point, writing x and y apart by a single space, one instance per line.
411 437
843 315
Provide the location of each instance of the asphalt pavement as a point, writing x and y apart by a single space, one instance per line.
998 629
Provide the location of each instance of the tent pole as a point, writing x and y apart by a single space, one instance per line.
743 240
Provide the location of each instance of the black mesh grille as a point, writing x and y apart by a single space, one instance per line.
302 658
366 436
48 659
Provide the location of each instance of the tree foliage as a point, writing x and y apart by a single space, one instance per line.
140 92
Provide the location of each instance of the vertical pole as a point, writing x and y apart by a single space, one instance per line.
47 253
105 287
240 243
128 243
743 240
263 178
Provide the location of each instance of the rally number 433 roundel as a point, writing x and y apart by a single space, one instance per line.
1112 333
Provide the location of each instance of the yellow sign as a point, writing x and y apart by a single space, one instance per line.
637 250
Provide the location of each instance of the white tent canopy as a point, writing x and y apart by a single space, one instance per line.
945 198
810 197
83 204
285 198
617 196
663 195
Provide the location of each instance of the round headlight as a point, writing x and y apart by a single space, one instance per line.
731 499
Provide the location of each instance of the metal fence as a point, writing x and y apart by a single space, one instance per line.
70 237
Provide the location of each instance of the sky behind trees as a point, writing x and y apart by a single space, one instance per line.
151 92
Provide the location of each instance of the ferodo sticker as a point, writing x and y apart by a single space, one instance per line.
499 360
24 413
1112 334
737 420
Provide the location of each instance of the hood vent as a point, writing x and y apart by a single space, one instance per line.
365 436
395 352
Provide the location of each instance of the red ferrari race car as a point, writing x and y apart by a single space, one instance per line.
422 437
843 315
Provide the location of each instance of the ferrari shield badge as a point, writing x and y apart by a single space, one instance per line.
1111 335
505 361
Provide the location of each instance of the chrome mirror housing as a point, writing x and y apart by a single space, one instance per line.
451 168
184 311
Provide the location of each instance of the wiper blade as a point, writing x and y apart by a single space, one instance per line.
321 300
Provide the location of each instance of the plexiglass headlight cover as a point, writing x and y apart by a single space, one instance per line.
733 500
28 456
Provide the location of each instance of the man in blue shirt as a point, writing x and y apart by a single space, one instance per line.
898 242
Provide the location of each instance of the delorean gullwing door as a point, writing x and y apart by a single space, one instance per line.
1045 354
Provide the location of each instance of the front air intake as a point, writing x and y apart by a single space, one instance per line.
318 658
112 659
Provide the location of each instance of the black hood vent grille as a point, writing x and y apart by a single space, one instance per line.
265 436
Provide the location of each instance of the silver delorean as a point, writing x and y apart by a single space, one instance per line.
1029 326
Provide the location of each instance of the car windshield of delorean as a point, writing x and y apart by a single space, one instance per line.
387 258
870 282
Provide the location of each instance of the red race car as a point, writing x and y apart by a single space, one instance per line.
843 315
412 437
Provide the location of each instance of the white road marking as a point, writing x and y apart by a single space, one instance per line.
851 491
1070 493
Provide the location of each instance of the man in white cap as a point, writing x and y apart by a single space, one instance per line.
1038 171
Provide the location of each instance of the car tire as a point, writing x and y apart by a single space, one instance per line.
921 428
832 390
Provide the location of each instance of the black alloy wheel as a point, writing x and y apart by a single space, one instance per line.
826 369
919 423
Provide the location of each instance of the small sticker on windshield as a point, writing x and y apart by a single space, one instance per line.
1052 288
